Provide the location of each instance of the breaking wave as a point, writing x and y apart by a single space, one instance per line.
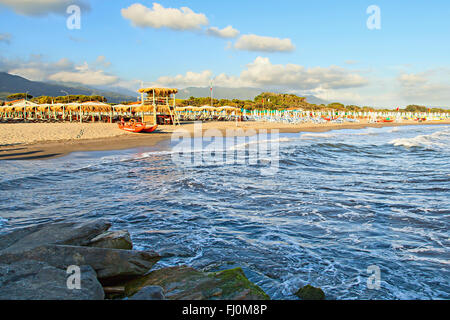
436 140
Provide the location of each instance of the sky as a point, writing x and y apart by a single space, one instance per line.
369 53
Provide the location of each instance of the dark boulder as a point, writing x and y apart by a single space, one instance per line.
65 233
113 240
111 265
309 292
36 280
149 293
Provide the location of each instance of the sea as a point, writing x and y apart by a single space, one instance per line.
362 214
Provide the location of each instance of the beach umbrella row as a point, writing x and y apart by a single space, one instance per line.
86 106
207 108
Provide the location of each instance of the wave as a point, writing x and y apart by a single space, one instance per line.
317 135
439 139
257 141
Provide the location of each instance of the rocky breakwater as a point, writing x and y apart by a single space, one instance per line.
40 262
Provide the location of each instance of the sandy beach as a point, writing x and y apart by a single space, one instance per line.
31 141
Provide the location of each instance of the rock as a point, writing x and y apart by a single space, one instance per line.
309 292
185 283
113 240
36 280
111 265
175 251
149 293
8 239
65 233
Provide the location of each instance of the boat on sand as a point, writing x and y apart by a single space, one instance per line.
137 127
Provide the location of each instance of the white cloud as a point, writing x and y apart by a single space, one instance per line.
261 73
101 61
160 17
5 37
431 87
251 42
35 68
63 64
42 7
83 74
29 73
227 33
411 80
64 70
190 79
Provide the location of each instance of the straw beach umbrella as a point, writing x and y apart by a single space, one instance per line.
22 106
73 107
95 107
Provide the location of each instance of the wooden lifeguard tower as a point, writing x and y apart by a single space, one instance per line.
162 102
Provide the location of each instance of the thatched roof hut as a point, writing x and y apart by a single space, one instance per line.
159 92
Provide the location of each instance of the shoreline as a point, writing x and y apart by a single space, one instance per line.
43 150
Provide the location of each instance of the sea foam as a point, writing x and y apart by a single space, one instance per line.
439 139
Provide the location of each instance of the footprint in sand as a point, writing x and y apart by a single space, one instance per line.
80 134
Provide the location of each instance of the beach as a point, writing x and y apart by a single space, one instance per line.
31 141
319 210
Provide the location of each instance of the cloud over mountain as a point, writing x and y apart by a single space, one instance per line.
262 73
63 70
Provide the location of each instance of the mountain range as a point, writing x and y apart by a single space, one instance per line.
10 84
15 84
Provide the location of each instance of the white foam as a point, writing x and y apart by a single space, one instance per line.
427 249
253 142
439 139
395 129
317 135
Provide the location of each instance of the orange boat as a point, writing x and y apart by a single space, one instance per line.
137 127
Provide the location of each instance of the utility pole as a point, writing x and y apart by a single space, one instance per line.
67 95
211 93
25 107
142 94
63 114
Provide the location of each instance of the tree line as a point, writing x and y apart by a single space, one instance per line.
276 101
60 99
264 101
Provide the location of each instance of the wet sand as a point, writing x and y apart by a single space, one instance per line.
42 141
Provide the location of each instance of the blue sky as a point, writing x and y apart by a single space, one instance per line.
307 47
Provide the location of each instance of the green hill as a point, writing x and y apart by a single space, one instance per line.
10 84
